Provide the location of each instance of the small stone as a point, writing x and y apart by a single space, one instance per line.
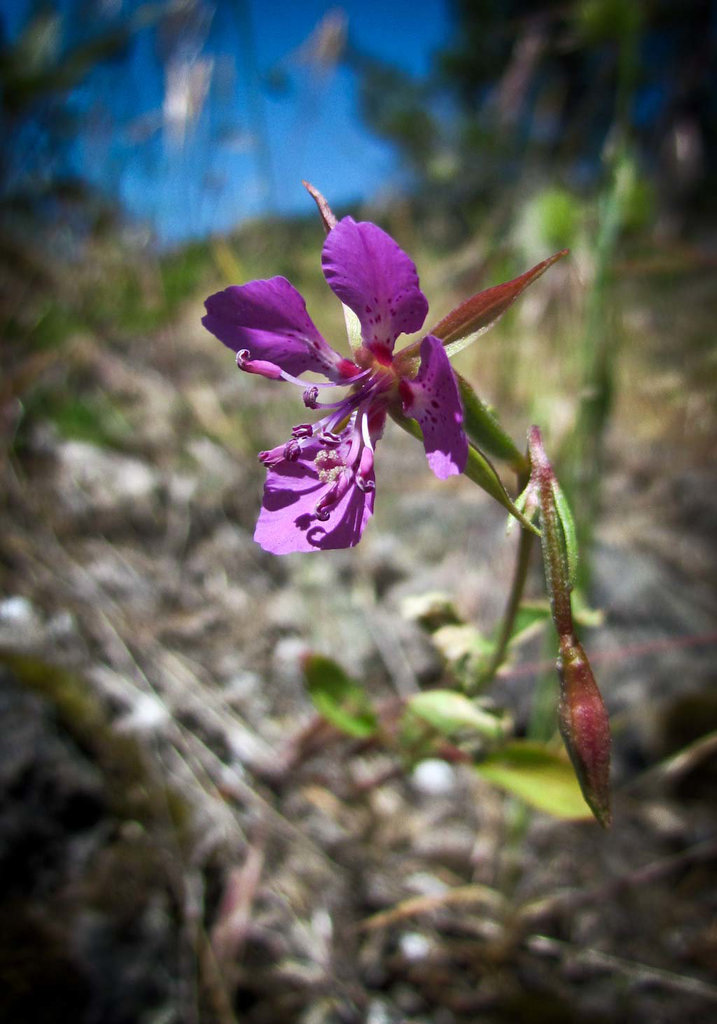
434 777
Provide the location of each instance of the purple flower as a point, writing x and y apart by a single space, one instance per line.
320 485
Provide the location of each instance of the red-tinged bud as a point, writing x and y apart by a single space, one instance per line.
481 311
585 727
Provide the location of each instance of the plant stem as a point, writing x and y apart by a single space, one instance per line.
520 575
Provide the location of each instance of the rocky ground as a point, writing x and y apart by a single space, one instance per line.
179 840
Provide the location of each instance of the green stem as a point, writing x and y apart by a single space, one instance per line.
507 624
478 469
481 472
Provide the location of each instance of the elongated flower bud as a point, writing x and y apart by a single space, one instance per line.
585 727
582 717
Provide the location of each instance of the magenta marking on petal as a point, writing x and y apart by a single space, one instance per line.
375 278
433 399
347 368
405 390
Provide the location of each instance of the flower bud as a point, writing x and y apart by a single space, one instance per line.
585 727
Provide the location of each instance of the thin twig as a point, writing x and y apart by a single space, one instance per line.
520 575
640 972
572 899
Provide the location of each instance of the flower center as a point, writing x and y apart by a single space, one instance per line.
329 465
377 356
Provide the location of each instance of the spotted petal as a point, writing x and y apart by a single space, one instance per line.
288 521
433 399
269 319
375 278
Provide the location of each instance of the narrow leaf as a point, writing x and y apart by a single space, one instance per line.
538 776
474 316
451 712
337 697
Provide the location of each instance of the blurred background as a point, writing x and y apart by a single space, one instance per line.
179 840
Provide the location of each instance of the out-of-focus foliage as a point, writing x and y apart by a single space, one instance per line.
67 266
51 56
535 90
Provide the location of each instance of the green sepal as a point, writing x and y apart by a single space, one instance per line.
478 469
338 698
353 328
474 316
484 430
482 472
539 776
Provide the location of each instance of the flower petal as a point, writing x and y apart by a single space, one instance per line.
433 399
375 278
269 319
288 521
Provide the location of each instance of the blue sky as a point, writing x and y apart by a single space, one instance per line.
310 129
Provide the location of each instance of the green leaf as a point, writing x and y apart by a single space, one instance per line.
538 776
553 217
585 615
457 640
465 650
451 712
431 611
338 698
530 616
569 532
